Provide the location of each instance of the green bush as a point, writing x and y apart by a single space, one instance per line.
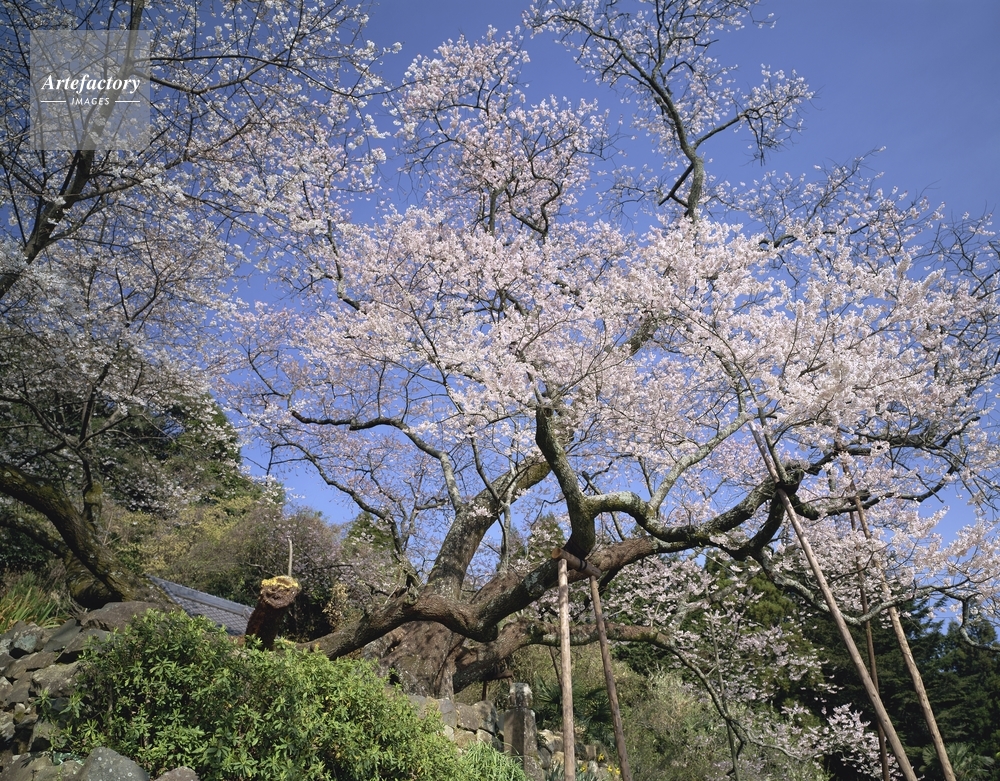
482 761
173 691
28 598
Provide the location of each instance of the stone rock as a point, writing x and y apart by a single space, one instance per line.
116 615
449 713
487 737
26 640
519 696
6 728
57 679
15 768
107 765
29 767
30 662
480 716
180 774
5 659
41 736
490 718
19 692
71 770
8 637
463 738
533 769
24 718
519 732
550 740
62 636
74 649
23 711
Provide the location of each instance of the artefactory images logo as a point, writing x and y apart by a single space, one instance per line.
90 89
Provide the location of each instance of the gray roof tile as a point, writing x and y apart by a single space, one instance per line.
232 616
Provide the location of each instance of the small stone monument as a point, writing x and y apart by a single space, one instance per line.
520 736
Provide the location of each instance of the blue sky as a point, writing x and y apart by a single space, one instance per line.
917 77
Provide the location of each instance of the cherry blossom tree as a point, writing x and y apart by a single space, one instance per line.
754 674
503 349
499 351
113 262
657 55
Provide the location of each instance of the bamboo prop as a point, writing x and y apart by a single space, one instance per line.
881 714
911 664
609 678
582 565
883 751
569 734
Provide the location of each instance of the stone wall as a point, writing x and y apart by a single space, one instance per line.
464 724
33 660
514 732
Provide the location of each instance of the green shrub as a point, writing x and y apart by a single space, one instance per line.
173 691
27 598
482 761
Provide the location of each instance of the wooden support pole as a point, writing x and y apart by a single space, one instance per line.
911 664
873 696
609 679
881 715
566 560
569 734
883 750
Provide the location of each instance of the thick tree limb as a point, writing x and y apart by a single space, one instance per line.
79 534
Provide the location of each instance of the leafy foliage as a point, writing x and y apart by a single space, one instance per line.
591 707
962 682
172 690
28 598
672 729
966 764
676 734
482 761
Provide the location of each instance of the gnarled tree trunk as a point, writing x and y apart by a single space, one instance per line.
110 580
